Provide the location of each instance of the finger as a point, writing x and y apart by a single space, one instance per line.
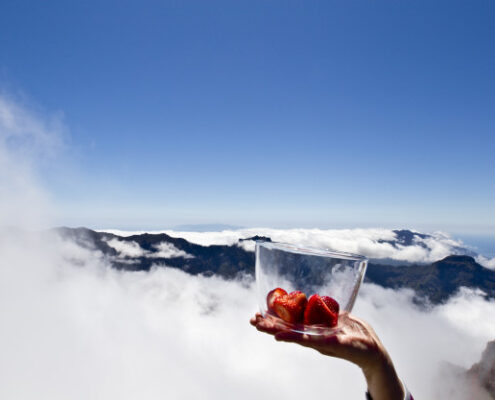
330 343
309 340
291 336
326 346
271 330
269 325
254 320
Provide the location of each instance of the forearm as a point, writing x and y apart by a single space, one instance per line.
383 382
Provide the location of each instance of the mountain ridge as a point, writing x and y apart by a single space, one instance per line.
432 282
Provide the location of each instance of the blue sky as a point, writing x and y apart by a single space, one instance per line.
284 114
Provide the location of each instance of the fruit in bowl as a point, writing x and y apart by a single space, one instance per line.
306 289
295 308
288 306
321 310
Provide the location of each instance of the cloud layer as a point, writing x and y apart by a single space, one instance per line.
372 243
74 328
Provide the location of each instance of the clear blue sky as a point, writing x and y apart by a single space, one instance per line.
273 113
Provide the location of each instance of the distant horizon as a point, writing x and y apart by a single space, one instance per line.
482 243
204 227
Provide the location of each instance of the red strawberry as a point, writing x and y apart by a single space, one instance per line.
290 307
317 311
272 295
331 303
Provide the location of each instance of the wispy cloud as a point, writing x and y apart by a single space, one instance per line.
132 249
486 262
28 133
26 139
126 248
168 250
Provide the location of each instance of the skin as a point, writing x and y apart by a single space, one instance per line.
356 342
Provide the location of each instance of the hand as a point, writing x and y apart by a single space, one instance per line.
355 341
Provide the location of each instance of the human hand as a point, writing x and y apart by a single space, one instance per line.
355 341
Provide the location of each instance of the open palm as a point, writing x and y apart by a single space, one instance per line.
354 341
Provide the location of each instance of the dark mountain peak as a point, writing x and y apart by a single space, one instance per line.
437 281
149 237
73 231
257 238
82 234
405 237
456 260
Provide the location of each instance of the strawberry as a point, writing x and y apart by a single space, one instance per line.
272 295
331 303
318 312
290 307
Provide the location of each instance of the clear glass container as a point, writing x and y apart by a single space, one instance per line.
311 271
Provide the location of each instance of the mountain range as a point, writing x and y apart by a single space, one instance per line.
433 283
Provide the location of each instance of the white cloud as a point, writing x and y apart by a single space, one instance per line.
133 249
74 328
486 262
369 242
25 137
168 250
421 342
27 133
127 248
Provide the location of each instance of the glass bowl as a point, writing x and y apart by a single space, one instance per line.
311 271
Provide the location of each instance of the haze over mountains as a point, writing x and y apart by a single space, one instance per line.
433 282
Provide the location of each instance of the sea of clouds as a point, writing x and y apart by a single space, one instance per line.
73 328
371 242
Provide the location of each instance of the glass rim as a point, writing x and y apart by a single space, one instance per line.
308 250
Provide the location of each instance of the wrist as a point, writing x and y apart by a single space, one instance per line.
382 379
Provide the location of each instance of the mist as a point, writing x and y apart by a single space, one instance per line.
72 327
